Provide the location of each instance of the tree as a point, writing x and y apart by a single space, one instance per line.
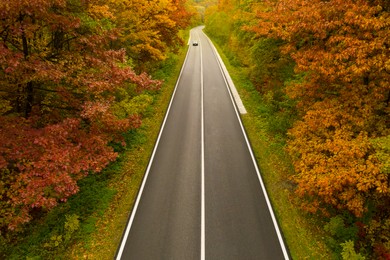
341 50
150 28
59 83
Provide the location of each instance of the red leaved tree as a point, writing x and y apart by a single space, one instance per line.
58 83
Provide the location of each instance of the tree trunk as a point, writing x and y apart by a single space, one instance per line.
29 90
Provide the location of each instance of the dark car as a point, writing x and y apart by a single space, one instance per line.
195 43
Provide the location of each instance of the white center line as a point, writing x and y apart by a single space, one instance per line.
202 240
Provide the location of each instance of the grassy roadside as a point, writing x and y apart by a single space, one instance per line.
303 233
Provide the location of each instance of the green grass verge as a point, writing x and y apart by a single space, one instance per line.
303 233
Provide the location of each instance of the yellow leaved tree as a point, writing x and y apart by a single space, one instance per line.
341 49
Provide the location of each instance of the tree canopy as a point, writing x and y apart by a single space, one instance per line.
342 48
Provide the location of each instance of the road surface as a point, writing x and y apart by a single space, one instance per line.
202 196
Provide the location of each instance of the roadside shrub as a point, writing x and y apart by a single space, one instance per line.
349 253
340 232
71 225
377 235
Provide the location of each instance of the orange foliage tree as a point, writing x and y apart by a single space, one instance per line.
149 28
341 50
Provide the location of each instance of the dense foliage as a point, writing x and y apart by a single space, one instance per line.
68 91
334 106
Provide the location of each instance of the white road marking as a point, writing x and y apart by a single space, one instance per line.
203 218
276 226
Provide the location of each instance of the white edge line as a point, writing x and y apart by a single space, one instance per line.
203 217
134 210
276 225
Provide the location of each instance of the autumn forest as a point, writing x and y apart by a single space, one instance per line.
77 75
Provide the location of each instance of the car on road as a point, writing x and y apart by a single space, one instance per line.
195 43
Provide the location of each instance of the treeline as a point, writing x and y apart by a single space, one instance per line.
74 76
323 68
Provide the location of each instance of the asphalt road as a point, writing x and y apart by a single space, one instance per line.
202 195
